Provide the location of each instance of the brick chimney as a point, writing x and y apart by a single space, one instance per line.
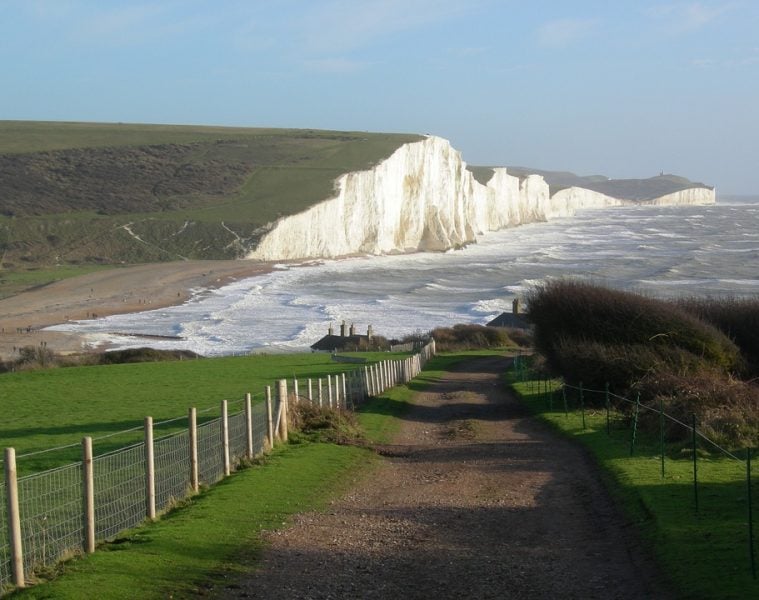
352 330
331 330
369 332
342 329
515 306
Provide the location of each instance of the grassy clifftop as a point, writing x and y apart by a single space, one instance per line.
93 193
625 189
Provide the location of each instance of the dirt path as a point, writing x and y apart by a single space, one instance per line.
475 500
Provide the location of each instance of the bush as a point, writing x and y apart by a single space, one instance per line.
470 337
727 410
137 355
322 424
738 319
568 310
661 349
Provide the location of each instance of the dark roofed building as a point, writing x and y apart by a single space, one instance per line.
346 340
512 320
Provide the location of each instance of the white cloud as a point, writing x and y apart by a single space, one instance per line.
564 32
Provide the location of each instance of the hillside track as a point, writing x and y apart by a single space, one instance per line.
474 499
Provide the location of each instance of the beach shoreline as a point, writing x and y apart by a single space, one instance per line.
138 288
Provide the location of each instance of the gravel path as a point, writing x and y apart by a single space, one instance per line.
474 500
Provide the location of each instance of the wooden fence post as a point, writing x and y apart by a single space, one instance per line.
345 391
225 438
320 392
149 470
269 419
337 392
310 391
248 427
295 390
193 430
282 424
329 390
14 519
88 495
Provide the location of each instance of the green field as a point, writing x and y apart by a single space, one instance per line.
176 557
186 192
703 551
57 407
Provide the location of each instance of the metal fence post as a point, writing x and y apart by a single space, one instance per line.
608 409
661 434
635 424
751 554
564 398
695 463
582 405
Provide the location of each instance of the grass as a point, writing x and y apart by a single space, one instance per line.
15 282
704 552
180 188
216 536
176 557
57 407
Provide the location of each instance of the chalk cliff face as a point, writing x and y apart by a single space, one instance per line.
423 198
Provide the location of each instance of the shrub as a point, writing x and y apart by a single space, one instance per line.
322 424
570 310
470 337
727 410
136 355
738 319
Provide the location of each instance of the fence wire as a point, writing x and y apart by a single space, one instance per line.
171 457
210 457
260 428
238 437
50 504
120 497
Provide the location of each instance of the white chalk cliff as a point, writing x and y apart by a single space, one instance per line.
423 198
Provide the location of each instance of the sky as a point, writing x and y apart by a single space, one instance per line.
626 88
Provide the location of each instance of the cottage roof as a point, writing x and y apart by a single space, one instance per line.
511 320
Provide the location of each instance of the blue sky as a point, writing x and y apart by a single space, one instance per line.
622 88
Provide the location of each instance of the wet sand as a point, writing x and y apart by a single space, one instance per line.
116 291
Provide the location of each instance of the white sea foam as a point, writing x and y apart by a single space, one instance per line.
658 250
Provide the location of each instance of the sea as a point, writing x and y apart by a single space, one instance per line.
659 251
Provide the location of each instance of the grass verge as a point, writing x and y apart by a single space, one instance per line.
212 539
57 407
705 551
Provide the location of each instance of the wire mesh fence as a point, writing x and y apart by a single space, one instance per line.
678 462
53 506
120 496
172 470
50 505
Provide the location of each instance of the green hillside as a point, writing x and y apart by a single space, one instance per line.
624 189
94 193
